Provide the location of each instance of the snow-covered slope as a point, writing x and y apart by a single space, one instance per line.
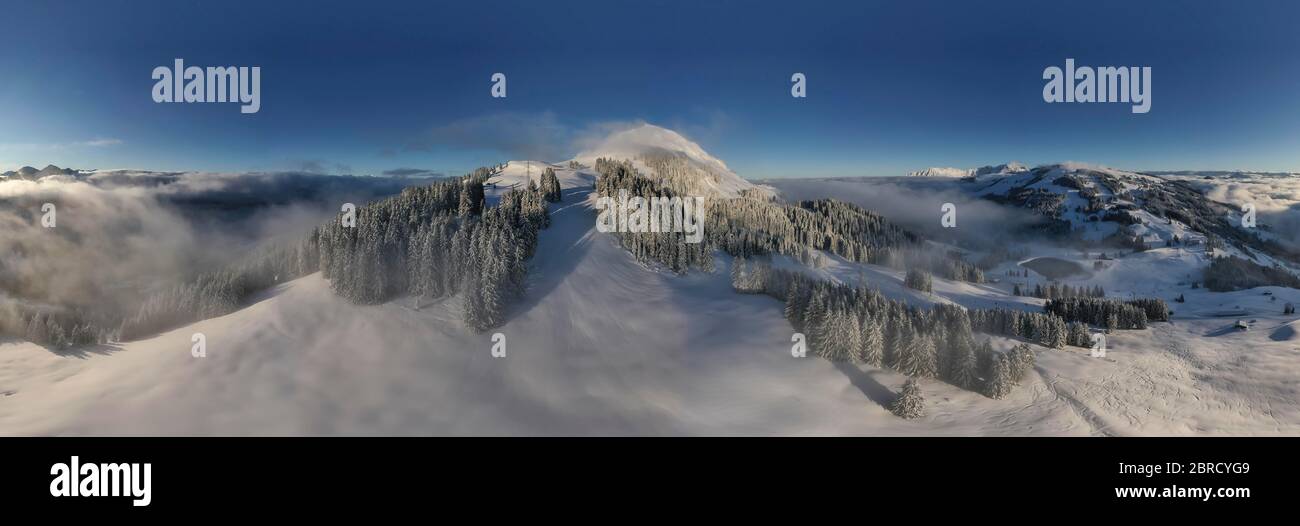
518 173
605 346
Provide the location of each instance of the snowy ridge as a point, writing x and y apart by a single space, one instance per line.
1010 168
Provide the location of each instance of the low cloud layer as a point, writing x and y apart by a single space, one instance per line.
119 234
1276 199
915 204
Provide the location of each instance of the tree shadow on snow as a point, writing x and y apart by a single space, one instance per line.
874 390
1226 329
79 351
85 351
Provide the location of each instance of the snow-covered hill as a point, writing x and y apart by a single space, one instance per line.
1094 202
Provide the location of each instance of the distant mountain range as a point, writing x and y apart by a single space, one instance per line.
1008 168
28 173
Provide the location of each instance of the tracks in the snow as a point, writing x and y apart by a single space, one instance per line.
1097 425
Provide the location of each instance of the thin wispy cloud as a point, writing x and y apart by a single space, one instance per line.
100 142
532 135
97 143
321 167
544 135
412 172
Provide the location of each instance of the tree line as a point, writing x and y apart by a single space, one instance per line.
1054 291
1230 273
1112 314
919 280
52 327
1047 330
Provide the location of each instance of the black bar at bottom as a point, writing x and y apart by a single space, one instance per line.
938 475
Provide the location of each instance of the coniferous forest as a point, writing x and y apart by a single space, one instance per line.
427 242
845 323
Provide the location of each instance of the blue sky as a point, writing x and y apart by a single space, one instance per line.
892 86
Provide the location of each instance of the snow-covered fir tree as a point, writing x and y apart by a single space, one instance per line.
910 403
872 342
550 185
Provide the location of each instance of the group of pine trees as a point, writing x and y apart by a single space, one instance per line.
49 327
1008 369
854 324
945 264
439 240
919 280
550 185
1233 273
1111 314
666 247
1044 329
1054 291
1155 309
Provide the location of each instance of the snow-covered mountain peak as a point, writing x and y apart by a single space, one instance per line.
32 174
671 158
1011 168
941 171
